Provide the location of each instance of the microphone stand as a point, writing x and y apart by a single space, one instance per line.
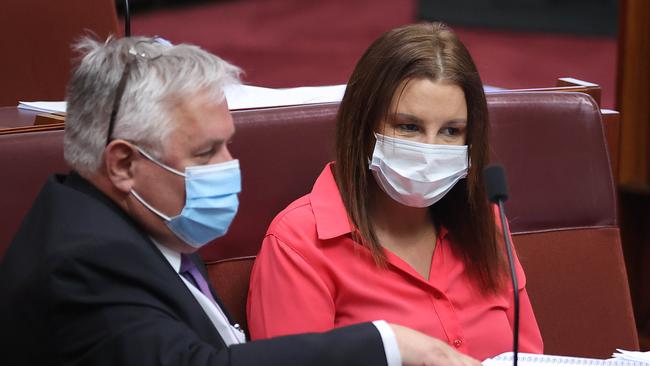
497 191
515 286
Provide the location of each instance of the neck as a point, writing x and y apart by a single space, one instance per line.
388 215
406 231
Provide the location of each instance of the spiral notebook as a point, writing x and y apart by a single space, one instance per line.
529 359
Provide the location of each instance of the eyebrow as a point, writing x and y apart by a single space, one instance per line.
457 121
409 117
415 119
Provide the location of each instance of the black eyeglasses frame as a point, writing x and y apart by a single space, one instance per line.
121 85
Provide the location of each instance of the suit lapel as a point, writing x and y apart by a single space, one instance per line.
178 297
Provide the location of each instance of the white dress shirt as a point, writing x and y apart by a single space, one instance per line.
229 333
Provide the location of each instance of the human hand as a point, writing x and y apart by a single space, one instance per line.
418 349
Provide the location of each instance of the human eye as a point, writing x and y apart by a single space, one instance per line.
450 131
408 127
207 152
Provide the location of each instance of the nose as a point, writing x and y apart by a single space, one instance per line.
222 156
432 139
439 139
226 153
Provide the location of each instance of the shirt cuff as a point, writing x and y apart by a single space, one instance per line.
391 349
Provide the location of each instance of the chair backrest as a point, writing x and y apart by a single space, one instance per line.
562 209
563 217
26 160
35 36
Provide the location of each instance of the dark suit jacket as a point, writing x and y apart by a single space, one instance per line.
82 284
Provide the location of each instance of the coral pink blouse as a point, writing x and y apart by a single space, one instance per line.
310 276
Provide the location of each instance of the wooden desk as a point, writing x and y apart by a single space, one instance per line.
14 120
11 117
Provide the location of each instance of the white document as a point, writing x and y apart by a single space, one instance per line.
240 97
246 97
529 359
632 356
249 97
46 107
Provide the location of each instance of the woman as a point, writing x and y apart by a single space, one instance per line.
399 228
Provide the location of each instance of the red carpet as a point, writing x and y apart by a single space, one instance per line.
285 43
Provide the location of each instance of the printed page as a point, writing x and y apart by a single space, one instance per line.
529 359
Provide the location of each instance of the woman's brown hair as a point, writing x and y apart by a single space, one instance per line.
431 51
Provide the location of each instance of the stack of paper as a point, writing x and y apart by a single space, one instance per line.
241 97
528 359
248 96
45 107
643 357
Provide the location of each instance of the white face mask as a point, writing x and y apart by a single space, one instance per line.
416 174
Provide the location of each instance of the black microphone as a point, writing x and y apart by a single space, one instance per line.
497 192
127 19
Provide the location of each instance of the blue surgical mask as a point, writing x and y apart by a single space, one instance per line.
210 201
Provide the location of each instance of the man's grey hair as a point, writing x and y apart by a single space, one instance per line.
161 75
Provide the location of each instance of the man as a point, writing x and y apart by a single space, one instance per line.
103 270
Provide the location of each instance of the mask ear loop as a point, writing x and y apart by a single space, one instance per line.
147 205
162 165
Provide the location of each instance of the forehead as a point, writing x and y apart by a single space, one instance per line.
201 117
429 101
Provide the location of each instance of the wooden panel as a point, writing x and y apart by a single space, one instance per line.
36 36
635 233
633 97
50 127
644 343
633 101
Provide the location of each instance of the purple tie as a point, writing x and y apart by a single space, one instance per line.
192 274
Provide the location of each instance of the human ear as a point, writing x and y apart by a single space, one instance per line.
119 157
